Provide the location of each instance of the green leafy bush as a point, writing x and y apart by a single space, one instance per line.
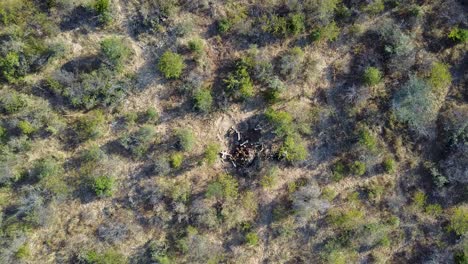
196 45
12 102
224 25
367 139
203 100
374 8
415 104
26 127
90 125
9 66
358 168
185 139
251 239
139 142
151 114
329 33
171 65
440 77
419 200
459 220
389 165
293 149
103 8
372 76
291 64
177 159
103 186
293 24
107 257
211 153
115 52
224 187
339 171
458 34
45 168
239 83
346 219
282 122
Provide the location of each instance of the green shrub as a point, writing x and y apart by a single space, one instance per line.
177 159
26 127
171 65
339 171
9 66
103 186
440 77
282 122
185 139
23 252
239 83
224 187
415 104
358 168
103 8
12 102
90 126
296 24
203 100
139 142
251 239
372 76
419 200
280 26
459 220
270 178
293 149
196 45
151 114
346 219
434 210
46 168
329 33
211 153
224 25
115 52
374 8
291 63
275 87
130 118
389 165
107 257
458 34
367 139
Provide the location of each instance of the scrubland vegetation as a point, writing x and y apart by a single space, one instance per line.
233 131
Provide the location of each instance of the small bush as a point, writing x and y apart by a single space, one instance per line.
419 200
345 219
329 33
9 66
26 127
434 210
270 178
389 165
203 100
23 252
458 34
374 8
224 187
211 153
185 139
46 168
90 126
372 76
239 82
139 142
415 104
291 64
115 52
358 168
280 26
459 220
196 45
251 239
224 25
151 115
171 65
275 87
103 8
106 257
12 102
282 122
440 77
367 139
103 186
339 171
293 149
177 159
